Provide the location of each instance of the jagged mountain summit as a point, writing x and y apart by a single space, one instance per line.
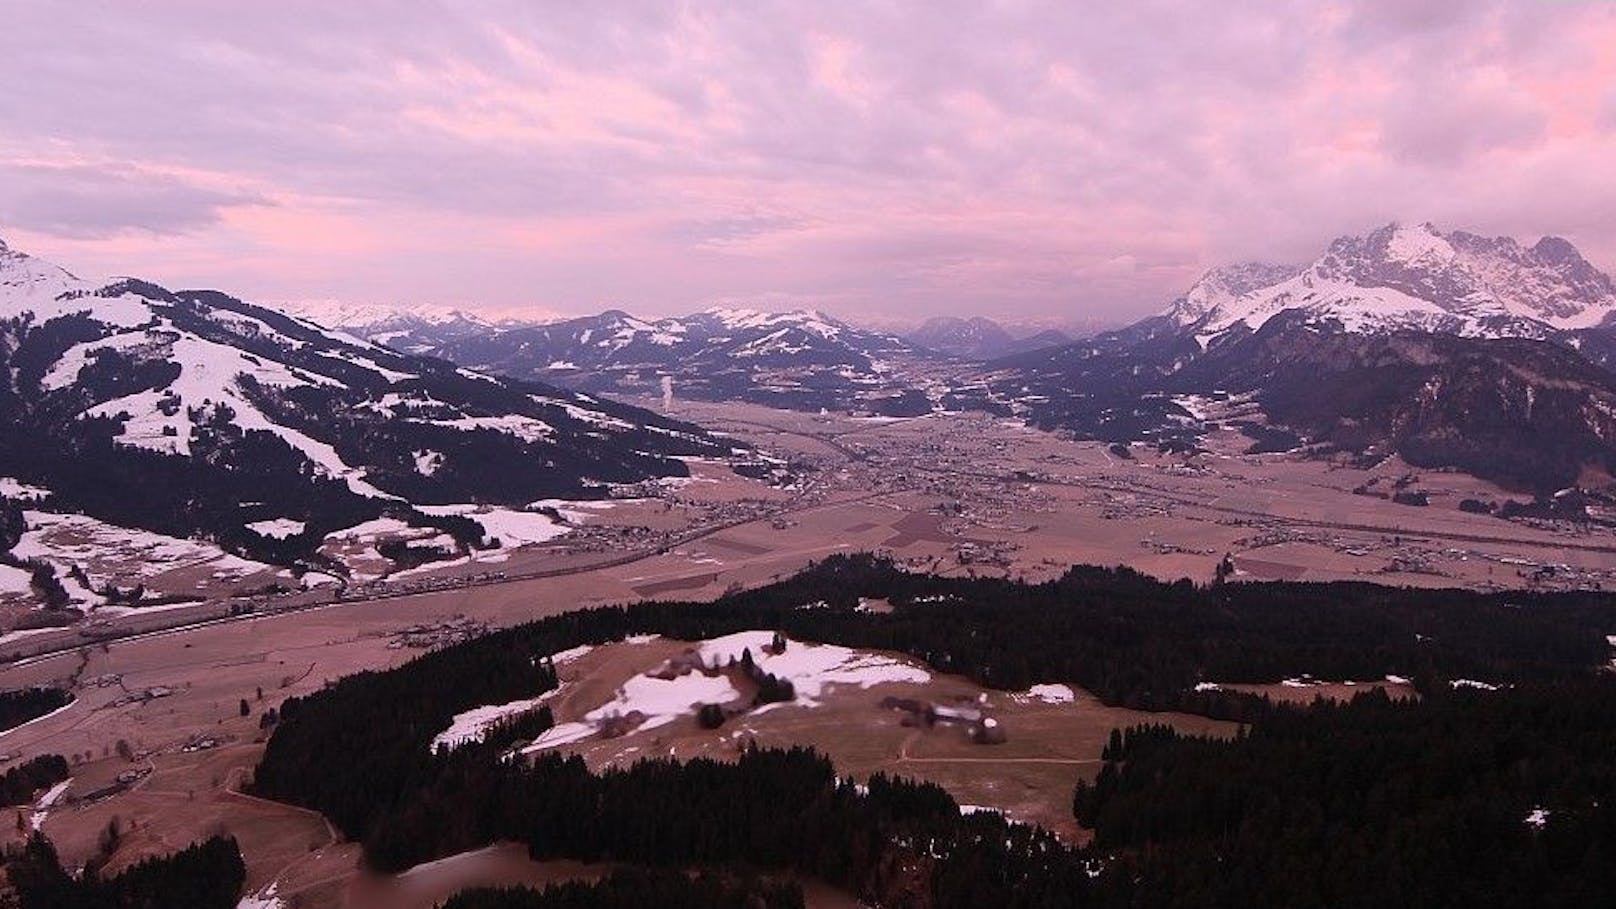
193 413
1416 278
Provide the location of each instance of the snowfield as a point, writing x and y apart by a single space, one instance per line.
108 553
813 667
512 527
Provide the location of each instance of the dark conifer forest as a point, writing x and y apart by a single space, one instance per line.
205 875
1308 801
24 704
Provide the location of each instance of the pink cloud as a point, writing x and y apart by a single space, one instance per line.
907 159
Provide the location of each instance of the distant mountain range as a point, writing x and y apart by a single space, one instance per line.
801 360
798 360
980 338
172 411
1452 349
195 414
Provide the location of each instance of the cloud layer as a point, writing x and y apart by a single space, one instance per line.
1017 159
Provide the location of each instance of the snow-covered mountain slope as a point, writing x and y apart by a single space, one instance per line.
1452 350
802 359
1411 278
193 413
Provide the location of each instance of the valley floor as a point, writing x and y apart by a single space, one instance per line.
953 494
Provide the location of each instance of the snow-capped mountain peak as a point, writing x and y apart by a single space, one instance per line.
161 409
1412 277
33 284
1223 285
810 320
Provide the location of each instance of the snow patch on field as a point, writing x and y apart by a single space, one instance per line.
471 725
263 899
427 462
560 734
1472 683
108 553
12 488
577 511
47 802
277 528
511 526
1049 694
561 658
525 428
18 635
14 581
374 529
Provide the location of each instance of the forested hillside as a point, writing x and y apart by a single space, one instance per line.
358 751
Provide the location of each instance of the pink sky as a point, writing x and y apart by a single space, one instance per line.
1060 161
